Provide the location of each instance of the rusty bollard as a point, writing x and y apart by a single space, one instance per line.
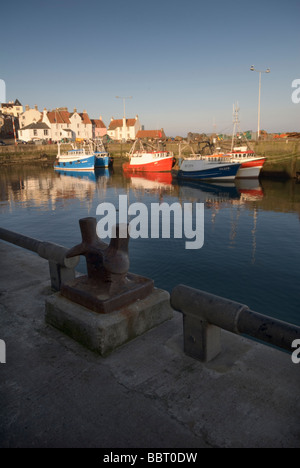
108 284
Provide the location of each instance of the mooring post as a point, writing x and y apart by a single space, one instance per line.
109 306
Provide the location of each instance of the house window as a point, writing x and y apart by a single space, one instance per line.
45 132
35 132
20 133
77 125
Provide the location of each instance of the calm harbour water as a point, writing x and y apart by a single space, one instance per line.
251 250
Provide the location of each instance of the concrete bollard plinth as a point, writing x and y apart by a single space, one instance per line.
103 333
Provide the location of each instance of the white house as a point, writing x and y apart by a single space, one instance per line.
29 116
63 124
81 125
59 123
35 131
124 129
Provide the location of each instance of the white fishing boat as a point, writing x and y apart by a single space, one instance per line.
251 164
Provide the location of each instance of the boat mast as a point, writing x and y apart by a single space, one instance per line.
236 126
236 122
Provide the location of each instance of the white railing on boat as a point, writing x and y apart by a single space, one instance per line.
211 158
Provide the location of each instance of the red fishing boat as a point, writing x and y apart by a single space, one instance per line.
251 164
145 160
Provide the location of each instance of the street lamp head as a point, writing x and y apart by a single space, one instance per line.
252 68
268 70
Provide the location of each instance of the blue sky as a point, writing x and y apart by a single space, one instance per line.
183 62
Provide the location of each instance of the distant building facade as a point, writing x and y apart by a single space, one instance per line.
66 125
124 129
29 116
99 128
81 125
12 108
35 131
151 134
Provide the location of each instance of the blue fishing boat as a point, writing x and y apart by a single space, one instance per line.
82 159
207 168
103 158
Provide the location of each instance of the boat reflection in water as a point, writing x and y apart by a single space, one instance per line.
250 189
233 196
152 182
85 175
82 185
205 192
234 192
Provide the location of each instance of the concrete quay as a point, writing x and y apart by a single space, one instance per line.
146 394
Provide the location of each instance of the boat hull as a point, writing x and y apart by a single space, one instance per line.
251 165
202 170
86 163
161 165
102 161
250 169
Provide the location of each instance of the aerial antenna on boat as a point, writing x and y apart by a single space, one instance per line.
236 122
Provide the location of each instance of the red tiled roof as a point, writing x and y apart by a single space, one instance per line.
85 118
119 123
98 123
60 117
150 134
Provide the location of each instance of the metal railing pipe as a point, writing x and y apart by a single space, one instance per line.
61 268
205 314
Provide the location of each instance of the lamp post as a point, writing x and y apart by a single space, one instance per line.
259 92
124 116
